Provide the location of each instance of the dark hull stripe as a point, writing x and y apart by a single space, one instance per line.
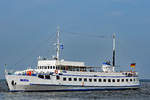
82 86
66 90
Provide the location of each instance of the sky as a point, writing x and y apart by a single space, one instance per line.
28 27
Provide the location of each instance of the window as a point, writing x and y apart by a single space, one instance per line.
113 80
80 79
134 79
75 79
95 80
85 79
41 76
104 80
126 80
57 67
100 80
122 80
47 76
70 79
109 80
64 79
57 77
90 80
130 80
118 80
53 67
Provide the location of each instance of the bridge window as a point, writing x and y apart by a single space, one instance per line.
126 80
109 80
122 80
130 80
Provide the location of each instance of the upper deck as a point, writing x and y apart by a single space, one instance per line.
47 66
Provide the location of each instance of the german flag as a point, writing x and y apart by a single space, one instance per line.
133 65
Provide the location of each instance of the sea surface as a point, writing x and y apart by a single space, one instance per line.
140 94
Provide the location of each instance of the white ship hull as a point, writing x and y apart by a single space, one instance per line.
33 83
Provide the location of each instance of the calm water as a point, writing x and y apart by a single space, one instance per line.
141 94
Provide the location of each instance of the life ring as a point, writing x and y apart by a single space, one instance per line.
56 71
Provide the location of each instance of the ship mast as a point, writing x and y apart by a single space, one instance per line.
114 51
58 44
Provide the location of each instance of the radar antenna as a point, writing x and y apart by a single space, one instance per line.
114 51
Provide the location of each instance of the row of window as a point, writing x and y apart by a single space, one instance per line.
42 76
98 80
64 68
87 79
47 77
47 67
53 67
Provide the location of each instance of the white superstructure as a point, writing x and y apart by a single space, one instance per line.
60 75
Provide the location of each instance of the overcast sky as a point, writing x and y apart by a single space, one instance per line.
28 27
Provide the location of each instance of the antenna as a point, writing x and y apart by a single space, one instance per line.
58 43
114 51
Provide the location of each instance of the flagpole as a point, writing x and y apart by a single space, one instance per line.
58 44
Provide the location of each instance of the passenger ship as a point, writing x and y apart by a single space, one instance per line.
60 75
